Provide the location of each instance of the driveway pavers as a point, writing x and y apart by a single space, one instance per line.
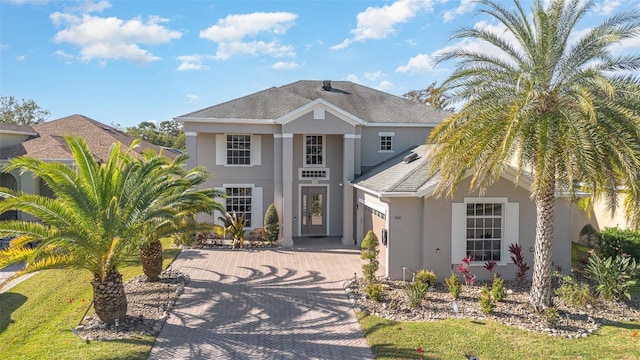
265 304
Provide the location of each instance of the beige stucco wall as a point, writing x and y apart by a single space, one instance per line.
420 232
404 138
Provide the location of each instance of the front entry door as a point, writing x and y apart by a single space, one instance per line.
313 210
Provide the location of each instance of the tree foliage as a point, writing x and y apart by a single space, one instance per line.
101 214
167 133
554 103
23 112
431 95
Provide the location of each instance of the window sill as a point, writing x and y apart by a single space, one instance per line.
386 151
238 166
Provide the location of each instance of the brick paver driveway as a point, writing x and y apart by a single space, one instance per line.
267 304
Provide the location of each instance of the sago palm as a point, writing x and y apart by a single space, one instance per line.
181 200
99 215
549 100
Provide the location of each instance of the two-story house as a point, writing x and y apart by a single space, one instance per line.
338 159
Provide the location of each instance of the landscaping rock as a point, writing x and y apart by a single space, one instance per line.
515 310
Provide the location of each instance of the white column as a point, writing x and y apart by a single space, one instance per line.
287 190
348 168
192 148
277 179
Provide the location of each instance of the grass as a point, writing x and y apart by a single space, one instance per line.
457 338
36 317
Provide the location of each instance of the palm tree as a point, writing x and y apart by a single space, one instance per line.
181 199
94 221
548 100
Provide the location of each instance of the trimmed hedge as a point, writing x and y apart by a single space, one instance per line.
614 241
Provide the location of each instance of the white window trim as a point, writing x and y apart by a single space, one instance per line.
326 170
257 214
388 134
318 114
510 221
255 153
304 152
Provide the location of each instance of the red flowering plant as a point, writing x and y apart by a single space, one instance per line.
463 268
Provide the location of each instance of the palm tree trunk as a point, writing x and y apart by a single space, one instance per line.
109 299
540 294
151 257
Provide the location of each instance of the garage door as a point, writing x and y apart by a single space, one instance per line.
377 221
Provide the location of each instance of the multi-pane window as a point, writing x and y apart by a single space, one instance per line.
314 150
385 143
238 149
239 200
484 231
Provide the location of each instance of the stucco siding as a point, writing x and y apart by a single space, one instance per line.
405 235
404 138
306 124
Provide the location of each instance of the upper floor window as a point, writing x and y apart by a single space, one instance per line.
314 150
386 141
238 149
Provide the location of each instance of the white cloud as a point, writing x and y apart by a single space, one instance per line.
192 99
230 34
379 22
607 7
466 6
21 57
374 76
109 38
385 85
353 78
419 64
227 50
283 65
87 7
192 62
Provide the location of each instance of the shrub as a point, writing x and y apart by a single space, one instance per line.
370 252
551 316
463 268
486 302
234 226
614 276
426 277
518 259
271 224
497 288
573 292
416 293
374 291
589 236
454 286
614 241
489 265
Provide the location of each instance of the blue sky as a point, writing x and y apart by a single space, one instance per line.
124 62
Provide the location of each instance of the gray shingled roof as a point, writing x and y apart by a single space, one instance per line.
16 128
397 176
50 144
365 103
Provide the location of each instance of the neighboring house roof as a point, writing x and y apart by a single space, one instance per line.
16 129
367 104
49 143
398 177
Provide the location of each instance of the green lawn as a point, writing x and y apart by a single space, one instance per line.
455 338
37 315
